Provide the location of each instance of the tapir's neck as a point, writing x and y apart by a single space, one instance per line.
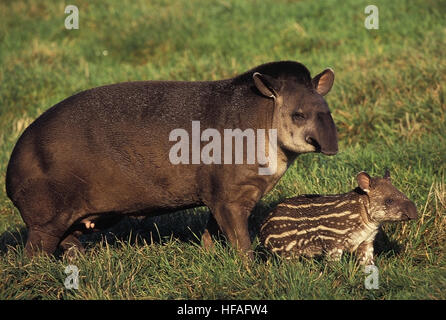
283 161
365 212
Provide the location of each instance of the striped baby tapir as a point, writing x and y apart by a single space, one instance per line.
316 225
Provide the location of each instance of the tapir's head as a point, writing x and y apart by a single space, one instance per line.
303 120
386 203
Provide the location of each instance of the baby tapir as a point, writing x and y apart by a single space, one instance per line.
106 152
315 225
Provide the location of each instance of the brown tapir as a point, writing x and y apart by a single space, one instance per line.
110 151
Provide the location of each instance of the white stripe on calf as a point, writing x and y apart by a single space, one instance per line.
296 232
327 216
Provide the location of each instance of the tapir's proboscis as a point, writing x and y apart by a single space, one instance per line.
103 153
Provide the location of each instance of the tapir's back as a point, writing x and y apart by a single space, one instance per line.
113 142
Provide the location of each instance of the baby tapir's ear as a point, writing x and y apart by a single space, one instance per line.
324 81
364 181
267 85
387 174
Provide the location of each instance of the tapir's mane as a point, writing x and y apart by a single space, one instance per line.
282 70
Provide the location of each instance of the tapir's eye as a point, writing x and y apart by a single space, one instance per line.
388 202
298 116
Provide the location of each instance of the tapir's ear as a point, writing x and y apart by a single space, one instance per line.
387 174
267 85
323 81
364 181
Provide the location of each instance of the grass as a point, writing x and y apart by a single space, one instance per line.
388 103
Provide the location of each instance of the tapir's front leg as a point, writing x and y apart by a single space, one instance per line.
232 217
365 253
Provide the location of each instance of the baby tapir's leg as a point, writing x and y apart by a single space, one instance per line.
334 254
365 252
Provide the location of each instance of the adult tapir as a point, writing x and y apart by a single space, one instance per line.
105 152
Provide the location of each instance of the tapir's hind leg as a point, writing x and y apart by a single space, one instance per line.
48 211
40 241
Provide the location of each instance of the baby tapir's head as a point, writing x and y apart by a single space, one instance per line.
386 203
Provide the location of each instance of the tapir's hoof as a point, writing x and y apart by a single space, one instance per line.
71 247
247 256
72 252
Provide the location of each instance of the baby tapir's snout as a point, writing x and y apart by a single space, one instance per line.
411 211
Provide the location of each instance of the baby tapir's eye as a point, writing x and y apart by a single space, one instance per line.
298 116
388 202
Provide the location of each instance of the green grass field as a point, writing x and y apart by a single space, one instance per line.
388 103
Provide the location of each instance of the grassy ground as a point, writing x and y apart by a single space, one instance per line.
388 103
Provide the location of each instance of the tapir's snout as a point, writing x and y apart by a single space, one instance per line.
325 137
331 152
411 211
